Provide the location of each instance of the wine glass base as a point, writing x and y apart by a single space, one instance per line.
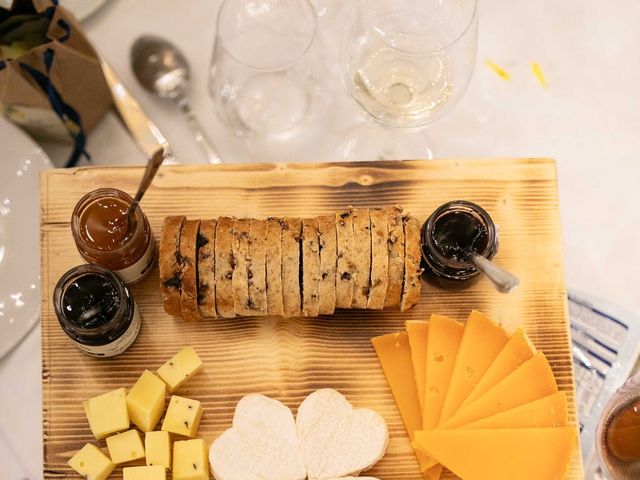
371 141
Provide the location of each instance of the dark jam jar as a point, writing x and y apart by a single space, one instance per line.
96 310
448 236
101 231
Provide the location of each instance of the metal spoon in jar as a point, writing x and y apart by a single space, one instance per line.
162 69
501 279
149 172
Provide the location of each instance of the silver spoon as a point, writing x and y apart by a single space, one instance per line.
501 279
152 168
162 69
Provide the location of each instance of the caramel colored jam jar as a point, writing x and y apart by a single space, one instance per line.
103 236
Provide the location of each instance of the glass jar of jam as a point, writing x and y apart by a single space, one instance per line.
96 310
101 231
449 235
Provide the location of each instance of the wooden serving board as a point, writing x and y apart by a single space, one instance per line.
289 358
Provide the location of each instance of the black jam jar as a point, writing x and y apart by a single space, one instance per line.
448 236
96 310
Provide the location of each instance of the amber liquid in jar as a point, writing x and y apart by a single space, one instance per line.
621 438
101 231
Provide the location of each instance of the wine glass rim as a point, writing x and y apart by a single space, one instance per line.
303 52
436 51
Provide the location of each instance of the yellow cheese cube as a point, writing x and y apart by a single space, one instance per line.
157 446
190 460
125 447
107 413
183 416
180 368
156 472
92 463
145 401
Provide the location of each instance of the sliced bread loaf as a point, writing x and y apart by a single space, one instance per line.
170 268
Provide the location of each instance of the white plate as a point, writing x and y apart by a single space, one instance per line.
21 161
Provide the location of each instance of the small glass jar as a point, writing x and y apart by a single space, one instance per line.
451 232
96 310
100 229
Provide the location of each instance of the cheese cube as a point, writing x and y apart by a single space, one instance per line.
92 463
183 416
180 368
145 401
156 472
190 460
157 446
125 447
107 413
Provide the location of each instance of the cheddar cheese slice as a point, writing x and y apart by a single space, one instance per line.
394 353
502 454
518 350
532 380
418 332
444 339
481 341
549 411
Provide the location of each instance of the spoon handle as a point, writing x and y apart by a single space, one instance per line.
501 279
152 168
198 132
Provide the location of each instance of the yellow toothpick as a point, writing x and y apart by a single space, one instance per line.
538 73
501 72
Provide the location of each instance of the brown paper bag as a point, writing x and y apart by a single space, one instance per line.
56 89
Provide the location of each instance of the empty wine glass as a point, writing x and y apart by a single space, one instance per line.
618 432
406 63
262 80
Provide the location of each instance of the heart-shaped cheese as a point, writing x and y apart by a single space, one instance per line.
262 444
336 440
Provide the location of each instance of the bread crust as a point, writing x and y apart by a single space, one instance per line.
169 264
379 259
412 271
206 273
396 256
188 252
328 260
224 266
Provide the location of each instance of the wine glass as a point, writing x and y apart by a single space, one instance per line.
618 432
262 80
405 64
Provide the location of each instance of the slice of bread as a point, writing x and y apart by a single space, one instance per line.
206 272
379 259
274 267
240 280
412 270
310 267
256 267
328 260
362 256
396 256
224 265
291 232
169 262
188 252
345 269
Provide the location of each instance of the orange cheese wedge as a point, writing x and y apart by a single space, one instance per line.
481 342
418 332
518 350
443 343
502 454
532 380
394 355
549 411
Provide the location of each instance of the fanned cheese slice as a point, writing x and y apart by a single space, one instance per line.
444 339
481 342
418 332
518 350
549 411
394 355
531 381
502 454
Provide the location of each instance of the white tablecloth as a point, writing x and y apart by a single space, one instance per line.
588 119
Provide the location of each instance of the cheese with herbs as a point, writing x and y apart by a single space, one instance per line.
183 416
157 447
180 368
190 460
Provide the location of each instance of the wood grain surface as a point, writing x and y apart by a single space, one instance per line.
289 358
